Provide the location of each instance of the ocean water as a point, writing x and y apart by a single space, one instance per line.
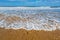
47 19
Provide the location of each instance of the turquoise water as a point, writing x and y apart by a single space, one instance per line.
33 3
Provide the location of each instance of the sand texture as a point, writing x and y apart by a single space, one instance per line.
22 34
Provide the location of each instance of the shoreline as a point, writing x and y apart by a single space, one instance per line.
22 34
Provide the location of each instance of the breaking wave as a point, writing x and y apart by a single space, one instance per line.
30 19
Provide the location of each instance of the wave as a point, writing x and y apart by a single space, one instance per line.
42 7
47 21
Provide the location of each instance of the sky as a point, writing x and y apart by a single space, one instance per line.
30 3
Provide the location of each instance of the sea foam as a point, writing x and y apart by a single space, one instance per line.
31 18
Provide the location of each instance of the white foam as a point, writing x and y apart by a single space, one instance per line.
29 26
33 8
36 21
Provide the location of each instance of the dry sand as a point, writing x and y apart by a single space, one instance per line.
22 34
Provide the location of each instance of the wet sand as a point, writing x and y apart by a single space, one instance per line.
22 34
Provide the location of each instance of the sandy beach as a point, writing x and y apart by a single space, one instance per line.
27 24
22 34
